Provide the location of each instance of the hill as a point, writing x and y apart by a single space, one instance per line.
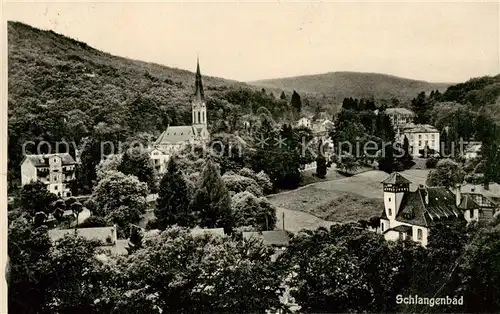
353 84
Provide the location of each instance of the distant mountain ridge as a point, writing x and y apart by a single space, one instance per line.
353 84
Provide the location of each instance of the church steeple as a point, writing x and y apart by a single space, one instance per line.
199 95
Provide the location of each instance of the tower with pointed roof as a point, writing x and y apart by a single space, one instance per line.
395 187
199 108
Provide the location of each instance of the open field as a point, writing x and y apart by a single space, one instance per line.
342 200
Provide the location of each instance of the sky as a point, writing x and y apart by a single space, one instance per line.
432 41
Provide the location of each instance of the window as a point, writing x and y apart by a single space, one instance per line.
198 117
419 234
55 188
389 199
382 226
472 213
390 211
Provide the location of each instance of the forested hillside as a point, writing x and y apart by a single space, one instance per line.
63 90
340 85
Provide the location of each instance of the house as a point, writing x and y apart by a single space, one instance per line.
420 137
411 214
197 231
175 138
472 150
488 201
56 171
304 122
400 116
106 235
278 239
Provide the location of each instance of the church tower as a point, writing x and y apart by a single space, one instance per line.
199 108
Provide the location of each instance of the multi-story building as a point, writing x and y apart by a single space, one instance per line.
54 170
420 137
400 116
177 137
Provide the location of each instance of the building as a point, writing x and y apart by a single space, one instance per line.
174 138
420 137
54 170
304 122
107 236
411 215
472 150
400 116
278 239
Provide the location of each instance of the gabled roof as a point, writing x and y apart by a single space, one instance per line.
176 135
43 159
98 233
441 206
275 237
396 178
419 128
402 228
468 203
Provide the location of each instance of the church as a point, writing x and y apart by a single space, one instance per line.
411 215
174 138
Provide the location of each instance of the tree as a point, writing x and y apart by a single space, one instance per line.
34 198
128 206
447 173
135 240
321 167
249 210
172 204
28 248
76 208
421 106
90 158
212 203
296 103
204 274
138 163
283 96
237 183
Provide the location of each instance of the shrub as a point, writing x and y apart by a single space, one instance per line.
94 221
431 163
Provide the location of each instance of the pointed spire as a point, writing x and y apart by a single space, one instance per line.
199 95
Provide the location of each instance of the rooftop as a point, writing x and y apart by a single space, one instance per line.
275 237
99 233
176 135
42 160
399 111
396 178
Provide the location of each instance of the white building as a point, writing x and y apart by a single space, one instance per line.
420 136
411 215
177 137
304 122
400 116
56 171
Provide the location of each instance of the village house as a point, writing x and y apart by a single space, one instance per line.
304 122
420 137
278 239
56 171
411 215
472 150
175 138
400 116
488 200
107 236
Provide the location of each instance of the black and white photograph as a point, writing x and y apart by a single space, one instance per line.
270 157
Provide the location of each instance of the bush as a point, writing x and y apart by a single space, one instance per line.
249 210
431 163
94 221
237 183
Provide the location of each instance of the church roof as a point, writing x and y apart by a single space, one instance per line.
176 134
468 203
396 178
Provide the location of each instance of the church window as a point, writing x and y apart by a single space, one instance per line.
419 234
472 213
382 226
390 211
199 117
389 199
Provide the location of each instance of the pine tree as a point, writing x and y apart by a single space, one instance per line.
212 202
296 103
172 204
321 162
283 96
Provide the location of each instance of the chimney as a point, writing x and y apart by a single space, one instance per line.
458 196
